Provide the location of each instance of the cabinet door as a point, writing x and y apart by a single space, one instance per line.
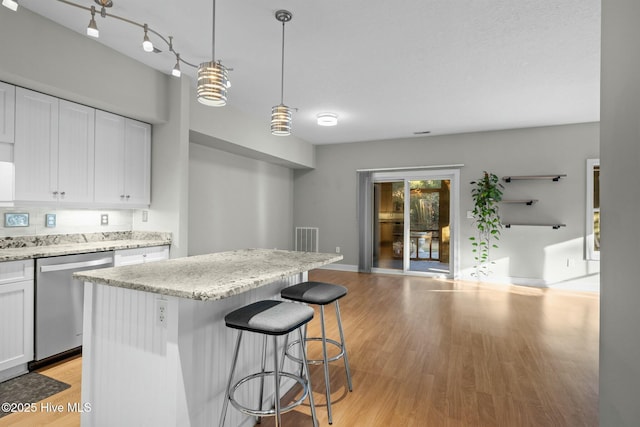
35 152
76 153
109 158
137 163
16 313
7 112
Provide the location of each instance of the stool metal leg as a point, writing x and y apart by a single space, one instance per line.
305 365
326 364
344 347
263 366
276 381
233 368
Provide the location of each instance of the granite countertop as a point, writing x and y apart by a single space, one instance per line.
212 276
15 249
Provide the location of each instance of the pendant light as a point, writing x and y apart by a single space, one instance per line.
281 114
213 77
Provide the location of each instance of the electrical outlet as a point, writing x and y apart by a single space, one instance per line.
145 216
337 249
50 220
104 219
161 311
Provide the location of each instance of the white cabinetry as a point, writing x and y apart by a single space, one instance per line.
54 149
16 317
140 255
7 112
123 161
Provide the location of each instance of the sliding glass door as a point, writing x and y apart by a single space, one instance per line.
412 218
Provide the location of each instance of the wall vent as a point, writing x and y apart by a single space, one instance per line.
307 239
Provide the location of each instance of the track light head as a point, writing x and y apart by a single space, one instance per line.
146 42
92 29
10 4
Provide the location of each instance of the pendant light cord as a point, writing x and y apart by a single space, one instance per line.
213 33
282 73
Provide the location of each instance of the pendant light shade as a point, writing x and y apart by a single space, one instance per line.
213 77
281 120
281 114
213 82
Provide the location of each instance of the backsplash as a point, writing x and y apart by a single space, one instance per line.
68 221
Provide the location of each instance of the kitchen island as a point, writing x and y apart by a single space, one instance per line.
155 347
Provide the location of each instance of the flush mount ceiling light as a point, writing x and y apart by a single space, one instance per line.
10 4
281 114
213 77
327 119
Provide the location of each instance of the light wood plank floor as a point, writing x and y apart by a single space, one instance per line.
428 352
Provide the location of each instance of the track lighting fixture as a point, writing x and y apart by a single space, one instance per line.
281 114
176 69
92 29
10 4
146 42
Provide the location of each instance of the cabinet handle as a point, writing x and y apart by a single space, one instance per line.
128 196
122 196
62 194
55 194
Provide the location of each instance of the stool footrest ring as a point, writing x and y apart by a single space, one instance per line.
316 361
268 412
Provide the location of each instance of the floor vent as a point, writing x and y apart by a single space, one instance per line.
307 239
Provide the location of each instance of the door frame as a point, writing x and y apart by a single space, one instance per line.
453 175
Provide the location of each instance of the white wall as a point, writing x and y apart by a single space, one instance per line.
326 196
620 203
236 202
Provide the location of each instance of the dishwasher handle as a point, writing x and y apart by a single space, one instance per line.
75 265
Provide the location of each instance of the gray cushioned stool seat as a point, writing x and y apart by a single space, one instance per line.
314 292
269 317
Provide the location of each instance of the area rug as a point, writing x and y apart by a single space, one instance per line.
29 388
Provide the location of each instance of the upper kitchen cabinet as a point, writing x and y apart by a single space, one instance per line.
7 112
54 150
36 150
123 161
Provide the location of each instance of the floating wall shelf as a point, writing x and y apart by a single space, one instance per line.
527 202
554 226
554 178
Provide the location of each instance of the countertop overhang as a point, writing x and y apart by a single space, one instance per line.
213 276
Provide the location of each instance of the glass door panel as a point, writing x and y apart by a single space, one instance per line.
429 225
388 238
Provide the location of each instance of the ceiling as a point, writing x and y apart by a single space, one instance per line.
387 68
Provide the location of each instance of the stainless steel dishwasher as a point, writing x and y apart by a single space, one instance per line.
59 301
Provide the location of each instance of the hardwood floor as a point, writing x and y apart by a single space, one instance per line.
428 352
68 371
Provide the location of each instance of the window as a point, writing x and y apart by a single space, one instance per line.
593 210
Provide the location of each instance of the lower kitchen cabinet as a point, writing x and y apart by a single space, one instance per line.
140 255
16 317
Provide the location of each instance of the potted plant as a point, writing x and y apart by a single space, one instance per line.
486 194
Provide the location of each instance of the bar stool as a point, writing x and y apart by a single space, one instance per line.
275 318
320 293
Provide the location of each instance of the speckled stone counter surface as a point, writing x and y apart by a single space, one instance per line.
18 248
212 276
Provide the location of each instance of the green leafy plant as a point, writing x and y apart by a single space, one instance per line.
486 194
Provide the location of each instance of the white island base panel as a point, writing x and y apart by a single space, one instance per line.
137 371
